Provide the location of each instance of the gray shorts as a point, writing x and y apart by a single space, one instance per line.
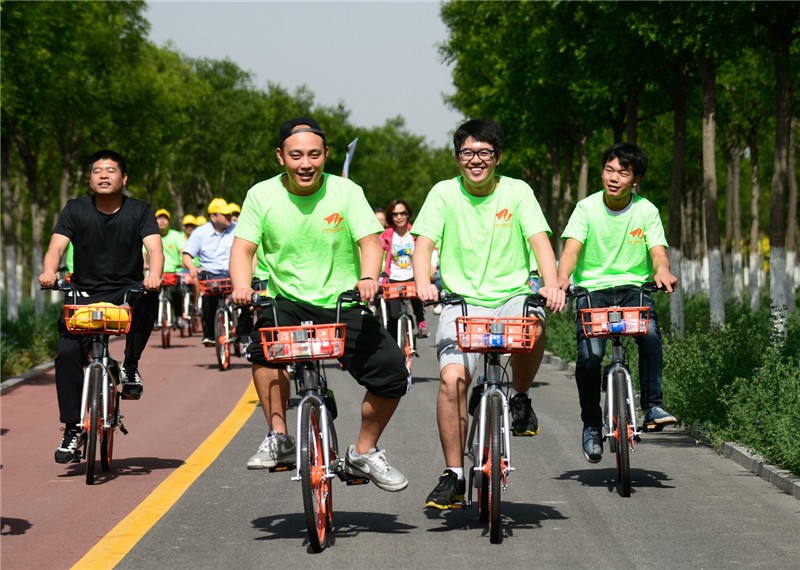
446 343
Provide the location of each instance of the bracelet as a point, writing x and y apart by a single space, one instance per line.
366 279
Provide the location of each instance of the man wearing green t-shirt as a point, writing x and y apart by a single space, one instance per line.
614 243
319 238
483 224
172 241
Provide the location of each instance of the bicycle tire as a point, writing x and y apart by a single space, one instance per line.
221 345
234 337
495 460
317 489
95 418
621 432
404 338
107 443
165 307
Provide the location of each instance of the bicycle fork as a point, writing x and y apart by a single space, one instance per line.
331 467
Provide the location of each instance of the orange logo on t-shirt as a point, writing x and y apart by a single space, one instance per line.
334 219
504 215
637 233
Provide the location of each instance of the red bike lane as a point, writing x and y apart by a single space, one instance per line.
50 517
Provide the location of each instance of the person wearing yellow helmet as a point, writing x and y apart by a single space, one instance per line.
201 220
172 242
235 211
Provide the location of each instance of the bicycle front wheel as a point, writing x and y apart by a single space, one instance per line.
404 333
165 323
223 349
95 416
622 428
495 461
317 488
107 444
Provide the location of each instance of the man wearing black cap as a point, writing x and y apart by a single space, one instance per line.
320 238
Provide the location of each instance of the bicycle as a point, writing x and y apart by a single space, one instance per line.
191 313
318 459
225 320
619 412
489 437
101 394
166 313
406 323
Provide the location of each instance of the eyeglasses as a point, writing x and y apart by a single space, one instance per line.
467 154
399 214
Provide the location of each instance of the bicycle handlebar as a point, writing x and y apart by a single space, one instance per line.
446 298
576 291
262 302
69 287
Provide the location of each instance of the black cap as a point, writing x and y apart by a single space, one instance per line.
288 128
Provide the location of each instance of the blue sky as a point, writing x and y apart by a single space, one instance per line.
379 58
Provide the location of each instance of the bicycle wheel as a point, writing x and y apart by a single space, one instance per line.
621 432
95 417
165 328
107 443
495 460
317 495
404 338
222 347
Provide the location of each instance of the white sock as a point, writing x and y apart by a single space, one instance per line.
512 392
459 471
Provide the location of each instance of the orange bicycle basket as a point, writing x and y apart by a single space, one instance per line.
406 290
97 318
496 334
612 321
222 286
304 342
169 279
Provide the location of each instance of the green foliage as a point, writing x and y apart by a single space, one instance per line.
28 340
764 410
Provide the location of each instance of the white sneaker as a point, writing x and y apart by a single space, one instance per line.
276 448
376 468
437 310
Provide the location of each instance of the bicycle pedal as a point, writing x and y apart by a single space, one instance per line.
351 479
125 396
280 468
652 427
123 429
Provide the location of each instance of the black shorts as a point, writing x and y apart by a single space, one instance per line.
371 356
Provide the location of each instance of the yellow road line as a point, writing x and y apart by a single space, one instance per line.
114 546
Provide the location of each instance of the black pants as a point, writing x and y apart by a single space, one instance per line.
74 350
370 354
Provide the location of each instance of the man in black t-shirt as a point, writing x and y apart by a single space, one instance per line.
107 231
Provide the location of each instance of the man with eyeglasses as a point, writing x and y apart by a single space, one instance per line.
484 258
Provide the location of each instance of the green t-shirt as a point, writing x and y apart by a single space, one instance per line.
70 258
310 242
483 241
173 243
262 272
616 245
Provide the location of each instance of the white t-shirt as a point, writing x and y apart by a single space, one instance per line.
402 248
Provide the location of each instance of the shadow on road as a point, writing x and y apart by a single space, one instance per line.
346 524
13 526
124 467
607 477
514 516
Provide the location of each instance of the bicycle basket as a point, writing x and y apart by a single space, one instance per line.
169 279
304 342
406 290
612 321
496 334
97 318
216 287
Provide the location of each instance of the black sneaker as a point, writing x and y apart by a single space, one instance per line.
132 387
70 448
523 419
448 492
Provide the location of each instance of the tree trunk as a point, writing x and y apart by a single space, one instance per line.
583 175
11 287
566 200
555 190
727 250
791 222
736 215
708 77
755 198
632 112
777 218
676 195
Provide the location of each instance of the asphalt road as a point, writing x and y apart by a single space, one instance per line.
690 508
